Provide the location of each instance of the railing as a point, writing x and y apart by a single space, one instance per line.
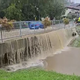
21 28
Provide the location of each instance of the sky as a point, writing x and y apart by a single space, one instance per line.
76 1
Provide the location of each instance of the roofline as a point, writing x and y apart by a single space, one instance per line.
71 7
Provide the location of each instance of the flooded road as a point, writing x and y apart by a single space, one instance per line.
67 62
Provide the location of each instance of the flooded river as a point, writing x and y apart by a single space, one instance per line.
67 62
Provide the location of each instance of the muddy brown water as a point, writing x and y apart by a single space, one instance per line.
67 62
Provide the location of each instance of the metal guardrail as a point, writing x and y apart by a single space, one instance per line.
21 28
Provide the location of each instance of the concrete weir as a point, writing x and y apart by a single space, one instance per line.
19 50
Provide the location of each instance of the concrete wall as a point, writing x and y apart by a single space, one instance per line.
19 50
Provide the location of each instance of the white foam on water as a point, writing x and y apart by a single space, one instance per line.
65 49
33 62
24 65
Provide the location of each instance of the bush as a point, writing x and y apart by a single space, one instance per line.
46 21
6 24
66 21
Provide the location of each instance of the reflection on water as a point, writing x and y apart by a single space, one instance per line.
68 62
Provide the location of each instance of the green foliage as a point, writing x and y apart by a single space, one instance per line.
71 16
76 42
29 9
46 22
35 74
66 21
6 24
13 13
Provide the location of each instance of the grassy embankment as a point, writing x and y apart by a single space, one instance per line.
76 43
35 74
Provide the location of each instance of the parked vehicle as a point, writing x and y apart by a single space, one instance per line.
36 25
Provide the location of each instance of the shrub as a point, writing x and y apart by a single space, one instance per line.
46 21
66 21
6 24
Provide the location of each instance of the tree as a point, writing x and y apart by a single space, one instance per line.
29 9
13 13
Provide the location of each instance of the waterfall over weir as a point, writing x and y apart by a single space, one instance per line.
19 50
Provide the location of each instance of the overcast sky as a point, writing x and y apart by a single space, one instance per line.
76 1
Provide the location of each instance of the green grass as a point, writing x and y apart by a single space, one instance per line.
76 43
35 74
78 27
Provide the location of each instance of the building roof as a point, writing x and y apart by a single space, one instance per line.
75 6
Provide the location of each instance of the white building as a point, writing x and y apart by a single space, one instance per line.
73 8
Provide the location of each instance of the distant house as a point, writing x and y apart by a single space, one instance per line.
73 8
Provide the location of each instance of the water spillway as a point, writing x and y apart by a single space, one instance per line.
18 50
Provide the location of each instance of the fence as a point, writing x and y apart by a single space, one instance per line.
21 28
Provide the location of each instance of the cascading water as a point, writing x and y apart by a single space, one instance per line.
20 50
